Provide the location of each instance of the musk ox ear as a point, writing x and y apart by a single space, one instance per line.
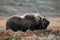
45 23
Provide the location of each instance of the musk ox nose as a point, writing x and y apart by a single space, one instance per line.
45 23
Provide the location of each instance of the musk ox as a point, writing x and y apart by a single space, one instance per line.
27 22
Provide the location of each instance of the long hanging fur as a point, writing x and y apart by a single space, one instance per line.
28 21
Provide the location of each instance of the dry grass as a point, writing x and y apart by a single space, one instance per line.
9 34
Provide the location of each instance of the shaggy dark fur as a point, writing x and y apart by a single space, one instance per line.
28 22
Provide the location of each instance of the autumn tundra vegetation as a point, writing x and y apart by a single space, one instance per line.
45 34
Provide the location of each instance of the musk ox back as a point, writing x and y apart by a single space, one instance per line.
27 22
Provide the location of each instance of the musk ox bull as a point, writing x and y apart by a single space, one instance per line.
27 22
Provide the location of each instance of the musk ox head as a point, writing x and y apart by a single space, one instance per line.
27 22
